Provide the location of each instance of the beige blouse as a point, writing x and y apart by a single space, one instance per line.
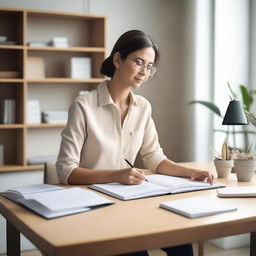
94 137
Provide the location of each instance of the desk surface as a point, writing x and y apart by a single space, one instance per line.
131 225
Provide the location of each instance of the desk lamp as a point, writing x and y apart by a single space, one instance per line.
235 114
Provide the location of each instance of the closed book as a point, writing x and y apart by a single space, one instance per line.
237 191
194 207
80 68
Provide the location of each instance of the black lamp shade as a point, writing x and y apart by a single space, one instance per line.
235 114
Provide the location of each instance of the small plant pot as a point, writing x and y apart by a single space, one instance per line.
245 169
223 167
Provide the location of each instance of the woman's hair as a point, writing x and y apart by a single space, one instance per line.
127 43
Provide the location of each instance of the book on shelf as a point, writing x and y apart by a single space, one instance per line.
55 117
1 154
38 43
194 207
156 184
7 111
241 191
51 201
33 112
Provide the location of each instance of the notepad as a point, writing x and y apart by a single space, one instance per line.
194 207
158 184
51 201
246 191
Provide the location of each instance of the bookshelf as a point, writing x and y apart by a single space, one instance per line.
86 35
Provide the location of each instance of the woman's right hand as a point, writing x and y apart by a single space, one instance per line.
130 176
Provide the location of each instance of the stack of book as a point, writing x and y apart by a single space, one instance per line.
38 43
53 117
7 111
59 42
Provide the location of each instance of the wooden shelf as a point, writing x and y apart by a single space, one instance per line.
15 168
11 80
68 49
14 47
86 34
44 125
65 80
11 126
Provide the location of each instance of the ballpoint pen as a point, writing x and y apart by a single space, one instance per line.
132 166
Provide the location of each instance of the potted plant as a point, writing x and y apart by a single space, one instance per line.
244 164
223 162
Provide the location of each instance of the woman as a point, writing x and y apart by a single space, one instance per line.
111 124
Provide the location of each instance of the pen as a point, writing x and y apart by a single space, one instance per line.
132 166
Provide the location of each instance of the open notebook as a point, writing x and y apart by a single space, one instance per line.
157 184
52 201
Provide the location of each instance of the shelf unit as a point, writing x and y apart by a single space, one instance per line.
86 37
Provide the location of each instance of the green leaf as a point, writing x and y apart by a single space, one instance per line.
247 97
209 105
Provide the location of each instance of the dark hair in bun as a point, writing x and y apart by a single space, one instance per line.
127 43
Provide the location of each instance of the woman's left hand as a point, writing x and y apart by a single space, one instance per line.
202 176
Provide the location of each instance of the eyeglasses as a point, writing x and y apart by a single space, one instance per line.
139 65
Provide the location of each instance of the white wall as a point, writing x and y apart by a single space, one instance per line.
171 24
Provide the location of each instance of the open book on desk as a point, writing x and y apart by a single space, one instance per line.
157 184
52 201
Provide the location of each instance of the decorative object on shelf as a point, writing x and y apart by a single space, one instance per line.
35 68
80 68
7 111
223 162
59 42
33 112
55 117
1 154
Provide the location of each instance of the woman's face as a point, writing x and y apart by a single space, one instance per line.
135 69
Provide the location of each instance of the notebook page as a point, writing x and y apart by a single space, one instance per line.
69 198
126 192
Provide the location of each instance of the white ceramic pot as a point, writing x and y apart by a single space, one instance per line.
245 169
223 167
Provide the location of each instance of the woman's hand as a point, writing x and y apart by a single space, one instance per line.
130 176
201 175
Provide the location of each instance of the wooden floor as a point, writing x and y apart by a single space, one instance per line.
210 250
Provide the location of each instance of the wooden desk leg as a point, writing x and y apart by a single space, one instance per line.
253 244
13 240
201 248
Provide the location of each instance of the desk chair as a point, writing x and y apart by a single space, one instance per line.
50 177
50 173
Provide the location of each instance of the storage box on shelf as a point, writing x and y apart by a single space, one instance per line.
54 38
